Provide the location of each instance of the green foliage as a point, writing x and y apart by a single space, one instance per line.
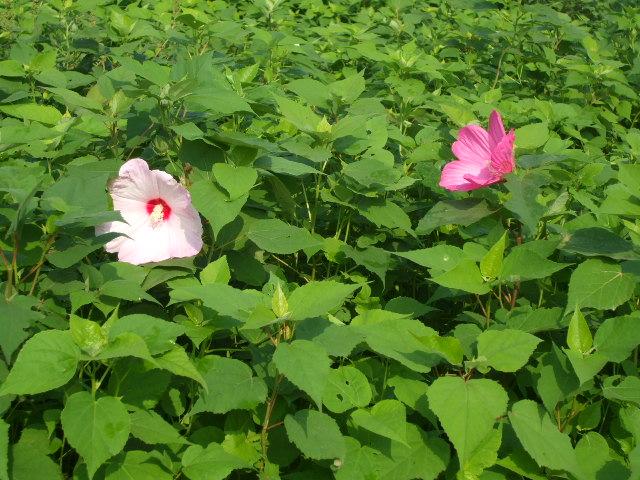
347 317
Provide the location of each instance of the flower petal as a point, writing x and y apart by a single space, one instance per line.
502 158
459 175
186 233
171 191
147 244
472 146
116 227
496 129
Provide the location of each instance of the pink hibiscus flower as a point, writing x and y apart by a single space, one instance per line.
484 157
159 220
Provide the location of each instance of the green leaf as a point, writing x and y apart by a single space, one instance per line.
541 438
31 111
231 385
88 335
152 429
311 91
579 337
189 131
385 213
306 365
237 181
316 299
224 299
29 460
387 418
625 390
177 362
485 455
216 272
214 204
557 380
629 173
532 136
464 276
440 257
286 166
221 100
599 284
279 302
449 348
4 450
18 318
72 255
276 236
136 465
96 429
211 463
491 263
315 434
47 360
127 344
412 391
506 350
300 116
347 388
424 456
159 335
348 89
523 203
125 290
586 366
524 264
397 337
595 241
467 411
453 212
617 337
533 320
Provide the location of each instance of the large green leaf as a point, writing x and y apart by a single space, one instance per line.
47 360
231 385
158 334
599 284
316 299
506 350
210 463
151 428
617 337
97 428
387 418
306 365
464 276
178 362
224 299
595 241
397 337
347 387
4 450
457 212
138 465
467 411
214 204
541 438
276 236
316 434
18 317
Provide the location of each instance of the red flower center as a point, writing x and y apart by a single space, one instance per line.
160 206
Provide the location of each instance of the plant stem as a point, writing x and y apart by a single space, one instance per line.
264 441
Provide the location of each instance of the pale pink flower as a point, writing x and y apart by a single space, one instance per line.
484 157
159 220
